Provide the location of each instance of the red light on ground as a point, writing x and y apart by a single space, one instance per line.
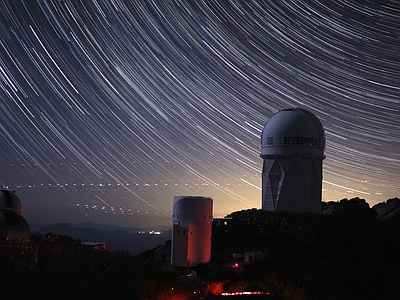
244 293
176 297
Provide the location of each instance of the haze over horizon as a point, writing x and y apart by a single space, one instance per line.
110 108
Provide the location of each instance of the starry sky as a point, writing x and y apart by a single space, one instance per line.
110 108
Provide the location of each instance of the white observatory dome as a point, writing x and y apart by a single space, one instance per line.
293 132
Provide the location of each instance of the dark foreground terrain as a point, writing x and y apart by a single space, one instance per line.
349 252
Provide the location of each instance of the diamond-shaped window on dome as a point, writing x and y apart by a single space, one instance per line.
275 175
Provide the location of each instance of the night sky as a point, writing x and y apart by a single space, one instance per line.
110 108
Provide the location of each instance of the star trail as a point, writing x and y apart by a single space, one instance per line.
110 108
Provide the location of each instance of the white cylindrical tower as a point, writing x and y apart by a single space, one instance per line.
292 148
192 228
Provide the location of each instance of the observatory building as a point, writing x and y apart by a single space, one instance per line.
191 232
292 149
13 225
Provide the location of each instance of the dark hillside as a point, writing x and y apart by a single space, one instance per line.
349 254
350 251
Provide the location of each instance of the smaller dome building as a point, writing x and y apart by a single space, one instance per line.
13 225
292 149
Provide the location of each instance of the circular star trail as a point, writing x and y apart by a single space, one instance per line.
113 107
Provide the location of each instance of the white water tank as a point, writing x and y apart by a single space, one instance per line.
192 228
